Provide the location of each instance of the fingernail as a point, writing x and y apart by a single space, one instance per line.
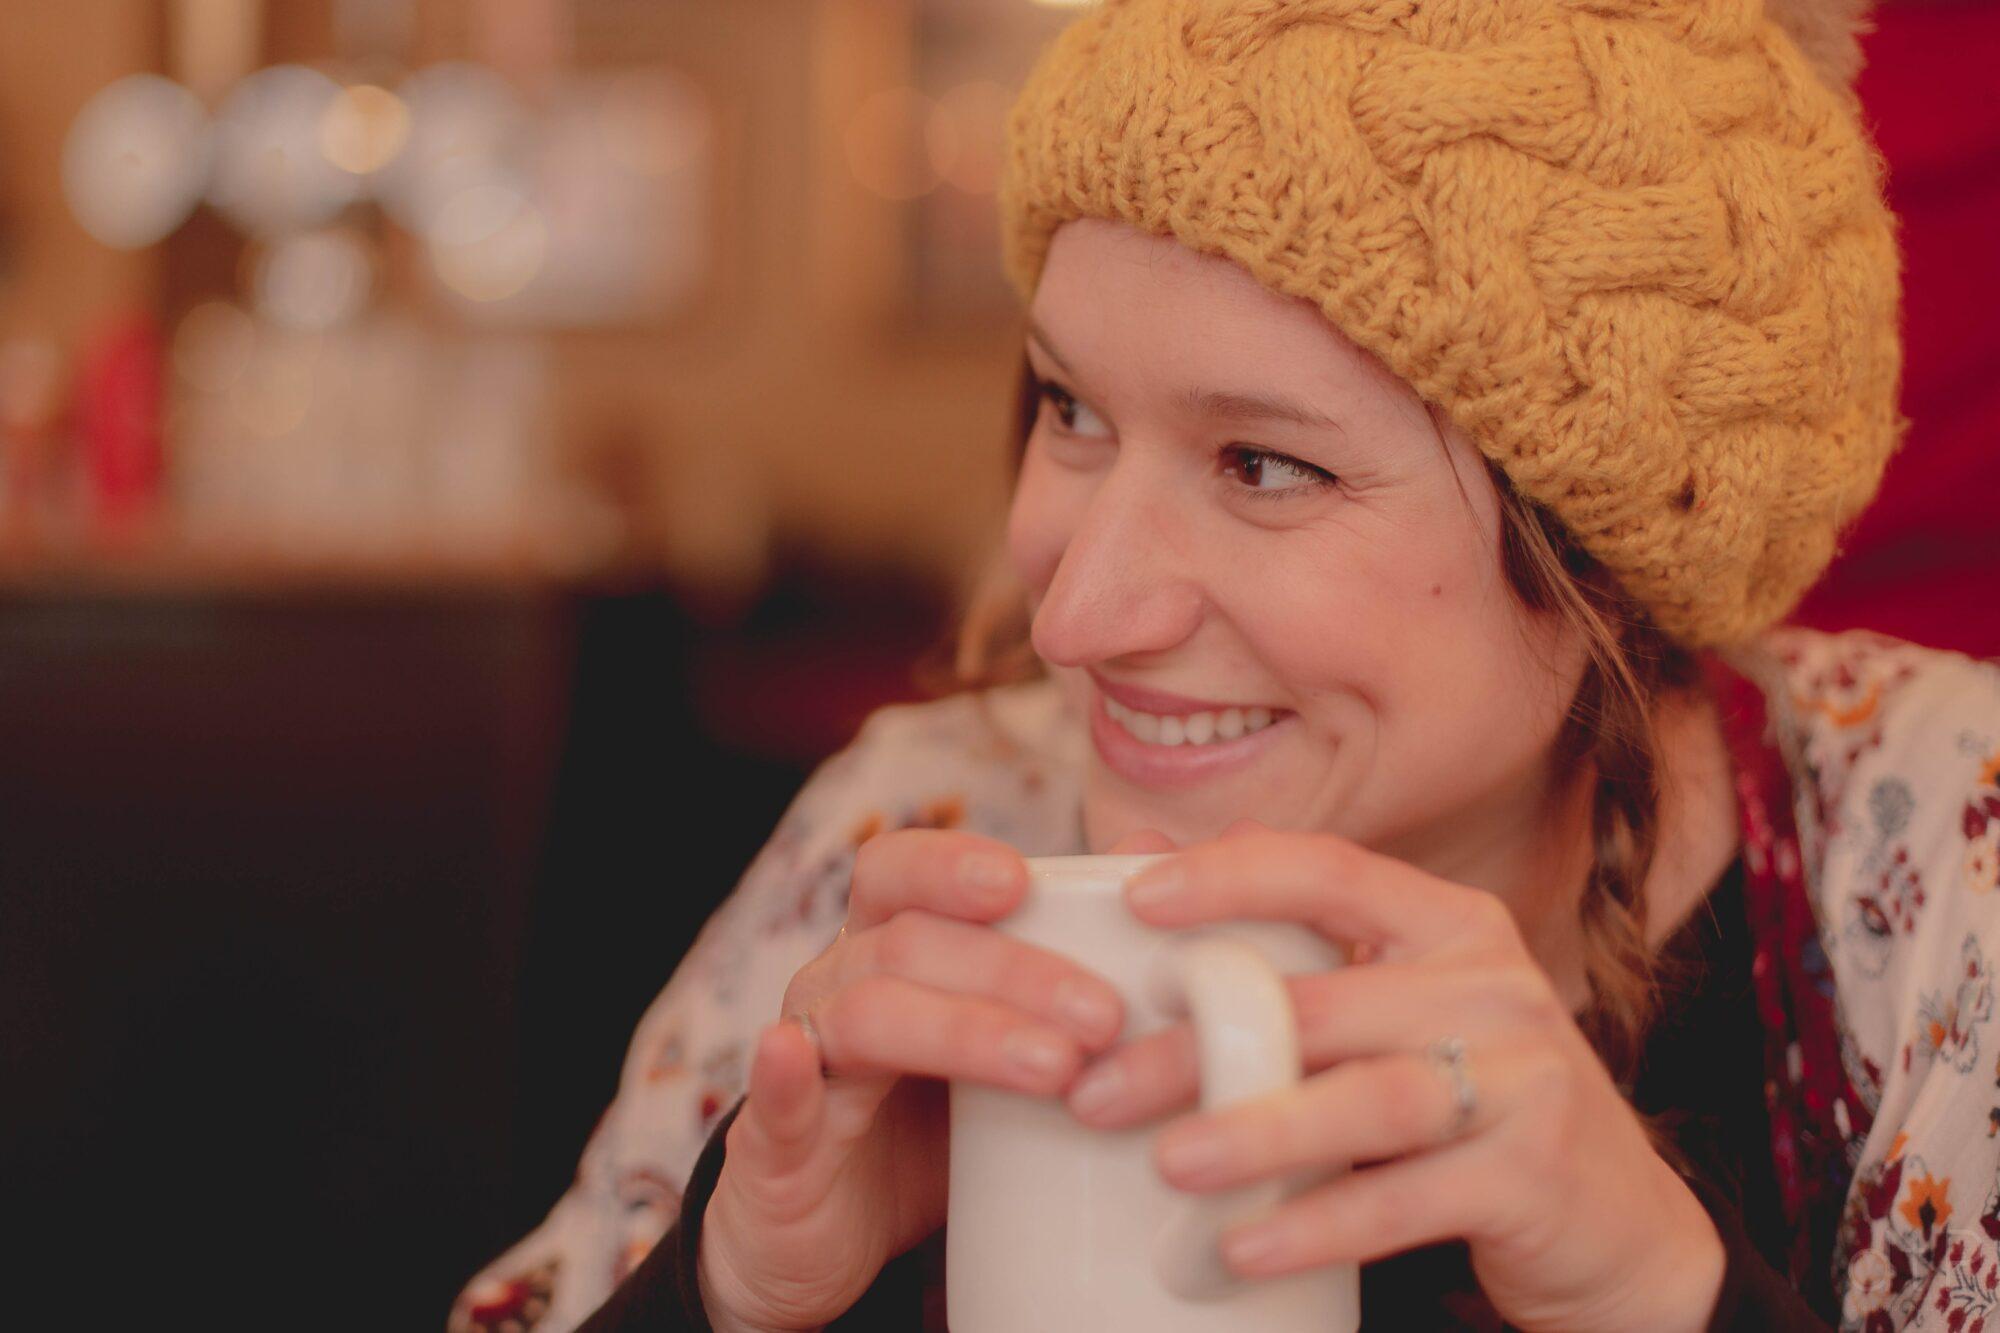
1256 1247
1088 1011
1040 1055
1193 1155
1101 1088
986 872
1155 885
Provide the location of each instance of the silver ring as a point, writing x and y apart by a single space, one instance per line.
1447 1055
804 1020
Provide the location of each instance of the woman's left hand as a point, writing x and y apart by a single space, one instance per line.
1573 1220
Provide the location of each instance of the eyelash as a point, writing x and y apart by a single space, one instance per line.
1062 400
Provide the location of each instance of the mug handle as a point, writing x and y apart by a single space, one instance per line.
1247 1037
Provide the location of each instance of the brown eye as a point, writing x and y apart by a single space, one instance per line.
1064 405
1269 473
1076 418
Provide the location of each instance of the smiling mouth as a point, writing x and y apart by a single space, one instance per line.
1191 729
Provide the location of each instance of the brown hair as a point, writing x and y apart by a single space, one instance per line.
1609 736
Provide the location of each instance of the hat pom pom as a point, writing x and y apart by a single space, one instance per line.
1829 32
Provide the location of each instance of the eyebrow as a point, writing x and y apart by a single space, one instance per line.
1217 404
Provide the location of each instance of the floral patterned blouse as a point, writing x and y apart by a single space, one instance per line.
1868 778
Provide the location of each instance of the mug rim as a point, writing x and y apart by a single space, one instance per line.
1087 871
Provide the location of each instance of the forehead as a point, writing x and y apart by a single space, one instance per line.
1118 302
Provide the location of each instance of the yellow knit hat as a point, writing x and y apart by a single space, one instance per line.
1637 249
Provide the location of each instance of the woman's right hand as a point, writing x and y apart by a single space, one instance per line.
833 1171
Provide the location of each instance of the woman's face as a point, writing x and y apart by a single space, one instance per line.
1228 510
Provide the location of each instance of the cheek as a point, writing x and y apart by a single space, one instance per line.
1341 613
1465 685
1413 632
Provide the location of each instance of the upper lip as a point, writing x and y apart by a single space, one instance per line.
1162 702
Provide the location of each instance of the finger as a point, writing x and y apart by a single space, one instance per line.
890 1025
1361 1111
1142 843
1140 1081
1339 888
940 870
967 959
1245 825
1383 1007
1370 1214
782 1114
1348 1014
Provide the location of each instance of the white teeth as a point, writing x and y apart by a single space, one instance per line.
1189 728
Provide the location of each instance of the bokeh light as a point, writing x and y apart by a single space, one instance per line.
488 243
275 392
272 174
314 281
967 135
364 128
466 129
31 382
136 161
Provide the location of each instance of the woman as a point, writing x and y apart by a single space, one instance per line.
1430 409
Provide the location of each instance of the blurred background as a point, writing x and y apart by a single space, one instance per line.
462 463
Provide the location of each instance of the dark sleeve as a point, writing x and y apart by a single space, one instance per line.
1755 1297
663 1294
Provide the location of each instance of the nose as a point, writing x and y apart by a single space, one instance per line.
1121 587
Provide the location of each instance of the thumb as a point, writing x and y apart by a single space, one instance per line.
783 1114
1142 843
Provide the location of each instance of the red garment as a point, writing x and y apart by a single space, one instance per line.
1920 563
1818 1119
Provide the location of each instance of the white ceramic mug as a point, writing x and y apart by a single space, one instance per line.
1054 1226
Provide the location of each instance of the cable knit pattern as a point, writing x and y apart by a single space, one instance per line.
1638 250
